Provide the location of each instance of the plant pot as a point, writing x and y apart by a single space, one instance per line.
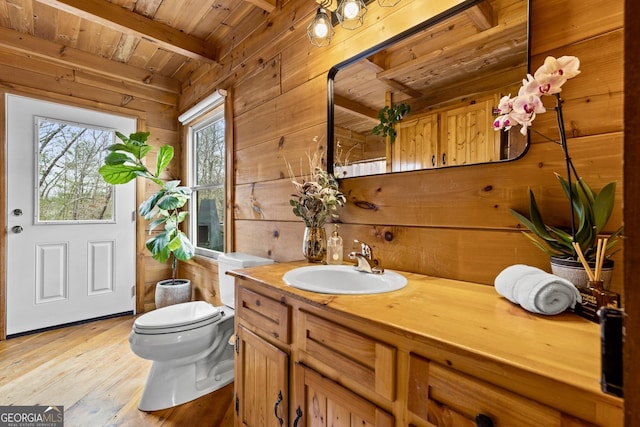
574 272
168 293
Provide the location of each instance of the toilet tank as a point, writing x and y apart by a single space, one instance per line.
234 261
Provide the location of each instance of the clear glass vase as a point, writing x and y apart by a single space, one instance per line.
314 244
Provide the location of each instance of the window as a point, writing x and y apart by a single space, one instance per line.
207 179
70 187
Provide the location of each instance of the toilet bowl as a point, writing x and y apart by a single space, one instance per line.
189 343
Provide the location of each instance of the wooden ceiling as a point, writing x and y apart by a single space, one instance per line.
168 38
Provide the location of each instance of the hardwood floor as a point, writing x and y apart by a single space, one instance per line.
90 370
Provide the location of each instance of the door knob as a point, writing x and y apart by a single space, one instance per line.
17 229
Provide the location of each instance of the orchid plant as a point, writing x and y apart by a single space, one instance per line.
547 80
592 209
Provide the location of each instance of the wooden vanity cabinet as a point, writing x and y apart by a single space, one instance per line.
323 360
321 377
262 359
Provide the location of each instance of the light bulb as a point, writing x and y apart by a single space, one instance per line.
321 29
351 9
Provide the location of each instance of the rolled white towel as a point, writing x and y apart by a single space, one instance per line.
505 282
536 290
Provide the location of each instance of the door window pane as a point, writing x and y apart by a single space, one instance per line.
70 189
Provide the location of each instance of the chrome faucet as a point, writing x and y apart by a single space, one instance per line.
366 262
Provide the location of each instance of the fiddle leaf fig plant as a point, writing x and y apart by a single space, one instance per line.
592 210
389 116
165 207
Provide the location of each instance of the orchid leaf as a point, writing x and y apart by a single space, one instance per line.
603 206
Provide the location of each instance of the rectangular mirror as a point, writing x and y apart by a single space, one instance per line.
450 73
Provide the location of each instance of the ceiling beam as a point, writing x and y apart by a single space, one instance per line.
483 16
268 5
28 45
120 19
372 63
506 31
354 108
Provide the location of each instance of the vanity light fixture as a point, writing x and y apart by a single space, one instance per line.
351 13
320 30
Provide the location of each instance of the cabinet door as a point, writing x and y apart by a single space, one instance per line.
321 402
416 144
262 382
447 398
468 136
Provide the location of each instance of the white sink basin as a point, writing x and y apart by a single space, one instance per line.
342 279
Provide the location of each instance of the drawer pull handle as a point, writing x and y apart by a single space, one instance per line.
275 408
298 416
483 420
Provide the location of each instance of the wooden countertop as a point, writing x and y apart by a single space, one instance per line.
472 318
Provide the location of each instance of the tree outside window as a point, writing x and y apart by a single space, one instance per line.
69 186
207 163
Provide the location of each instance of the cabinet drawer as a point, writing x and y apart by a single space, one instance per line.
348 354
263 313
454 399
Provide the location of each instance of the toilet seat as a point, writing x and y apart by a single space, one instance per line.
177 318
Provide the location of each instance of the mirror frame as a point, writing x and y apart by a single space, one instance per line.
460 7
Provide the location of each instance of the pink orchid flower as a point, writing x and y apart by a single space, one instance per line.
547 80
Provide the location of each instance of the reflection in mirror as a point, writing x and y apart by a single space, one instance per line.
451 71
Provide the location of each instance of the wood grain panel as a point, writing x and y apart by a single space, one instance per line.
263 85
268 160
303 107
558 23
466 254
450 198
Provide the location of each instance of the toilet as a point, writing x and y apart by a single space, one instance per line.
189 343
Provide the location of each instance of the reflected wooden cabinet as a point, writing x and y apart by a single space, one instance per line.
416 145
447 137
467 135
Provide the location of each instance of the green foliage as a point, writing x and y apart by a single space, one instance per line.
592 211
389 116
164 208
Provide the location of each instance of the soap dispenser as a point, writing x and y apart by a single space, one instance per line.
334 247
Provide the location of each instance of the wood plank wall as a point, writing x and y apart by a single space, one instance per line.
35 68
449 222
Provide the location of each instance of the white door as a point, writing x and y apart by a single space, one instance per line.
70 236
